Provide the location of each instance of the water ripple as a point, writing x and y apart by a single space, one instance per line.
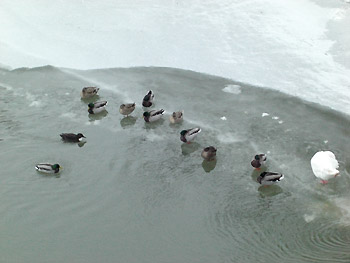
325 241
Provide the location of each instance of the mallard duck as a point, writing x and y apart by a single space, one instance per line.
126 109
148 99
153 115
258 160
97 107
269 178
324 165
209 153
88 92
48 168
176 117
188 135
71 137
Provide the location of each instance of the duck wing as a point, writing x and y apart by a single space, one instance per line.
269 178
100 104
155 113
45 167
262 157
273 177
129 105
194 131
149 97
69 137
90 90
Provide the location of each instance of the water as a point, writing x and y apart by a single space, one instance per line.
134 193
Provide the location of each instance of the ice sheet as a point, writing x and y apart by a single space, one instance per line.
299 47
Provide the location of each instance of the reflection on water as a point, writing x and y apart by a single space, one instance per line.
53 175
269 190
155 124
91 99
209 165
128 121
188 148
98 116
81 144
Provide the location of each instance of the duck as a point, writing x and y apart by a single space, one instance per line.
209 153
176 117
71 137
48 168
148 99
126 109
88 92
97 107
258 161
269 178
324 165
153 115
188 135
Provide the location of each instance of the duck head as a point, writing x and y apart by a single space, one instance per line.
183 132
56 167
80 135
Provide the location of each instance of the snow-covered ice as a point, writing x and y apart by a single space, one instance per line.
300 47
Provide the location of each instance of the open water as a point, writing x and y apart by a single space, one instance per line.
135 193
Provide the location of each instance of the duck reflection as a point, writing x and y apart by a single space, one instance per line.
81 144
189 148
128 121
153 125
90 99
98 116
268 191
208 166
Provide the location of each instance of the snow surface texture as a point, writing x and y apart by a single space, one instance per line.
300 47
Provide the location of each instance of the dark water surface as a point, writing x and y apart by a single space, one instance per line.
135 193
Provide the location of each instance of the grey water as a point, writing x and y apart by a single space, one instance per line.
135 193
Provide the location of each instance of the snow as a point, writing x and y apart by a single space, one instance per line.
299 47
234 89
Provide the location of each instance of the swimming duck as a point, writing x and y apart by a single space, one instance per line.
126 109
153 115
148 99
97 107
48 168
324 165
269 178
88 92
209 153
188 135
176 117
258 161
71 137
